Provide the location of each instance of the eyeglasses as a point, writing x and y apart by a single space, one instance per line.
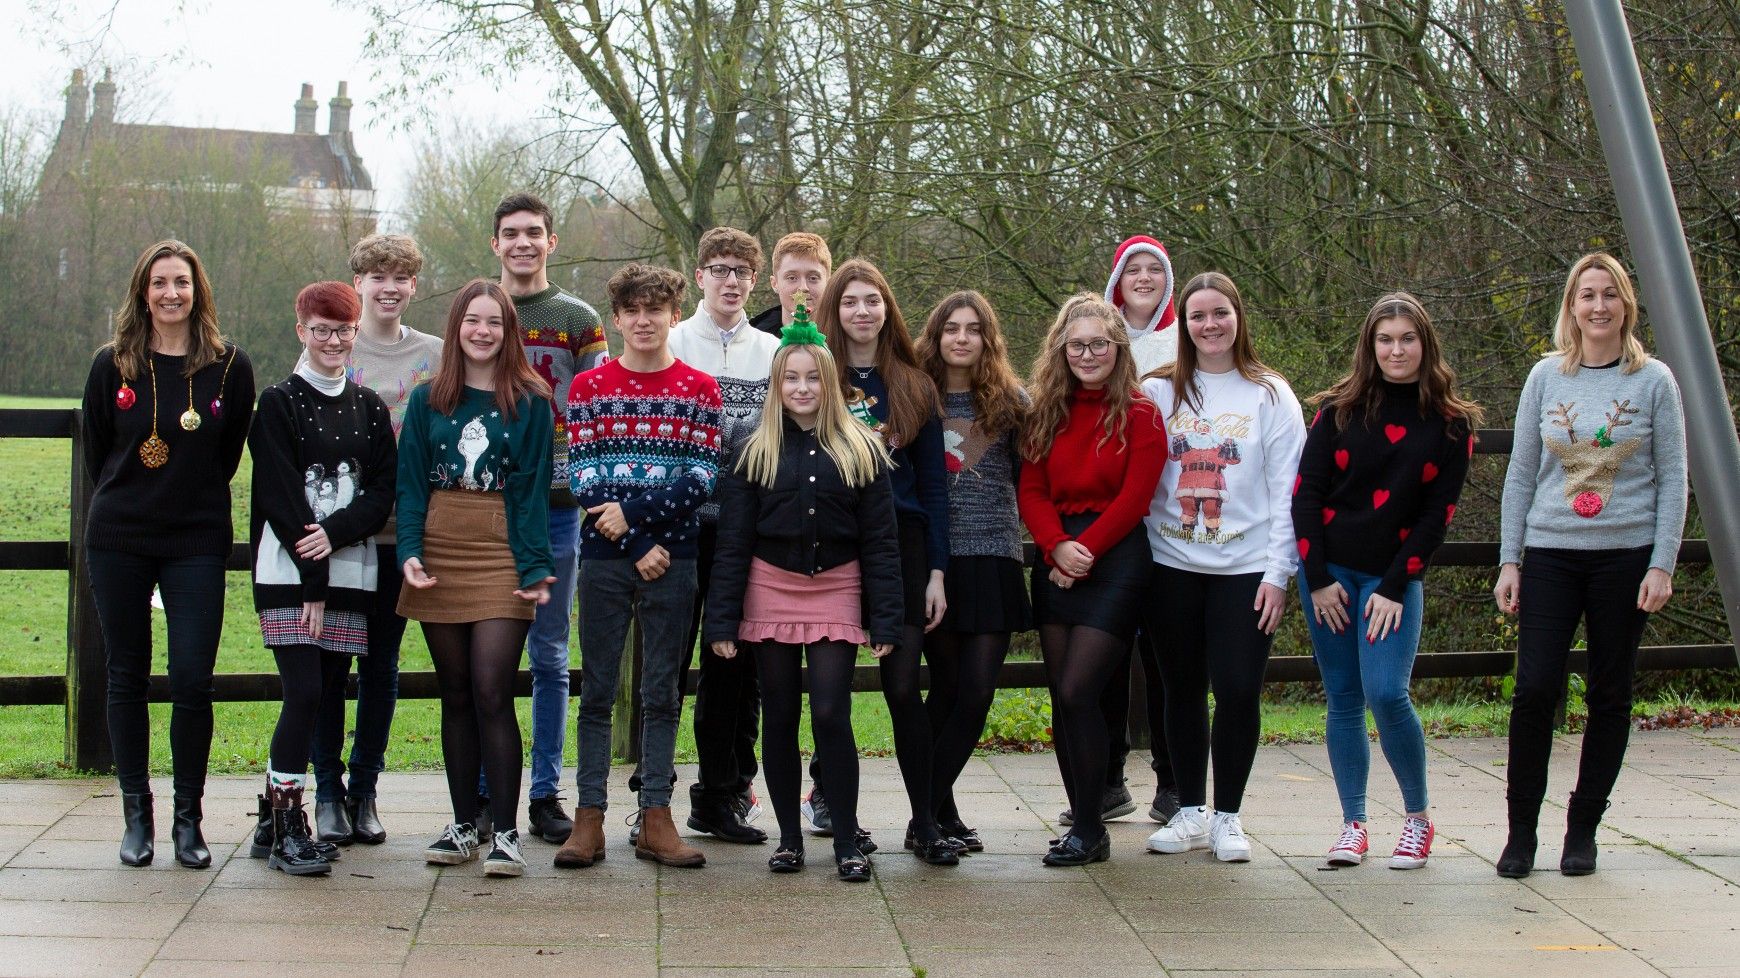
742 273
1076 349
324 333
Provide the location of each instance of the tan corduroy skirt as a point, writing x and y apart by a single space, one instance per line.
465 548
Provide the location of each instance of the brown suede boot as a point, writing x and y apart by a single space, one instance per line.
585 844
659 841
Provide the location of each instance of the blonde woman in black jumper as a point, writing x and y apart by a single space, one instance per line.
166 411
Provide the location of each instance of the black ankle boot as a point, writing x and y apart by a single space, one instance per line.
293 850
1518 858
262 842
1581 820
139 831
190 847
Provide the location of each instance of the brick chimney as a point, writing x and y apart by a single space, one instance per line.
339 108
76 95
103 105
306 110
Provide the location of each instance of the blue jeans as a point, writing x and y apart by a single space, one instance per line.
377 694
1358 673
614 593
547 656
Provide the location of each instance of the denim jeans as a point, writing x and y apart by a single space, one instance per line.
377 695
193 603
547 657
1358 673
614 595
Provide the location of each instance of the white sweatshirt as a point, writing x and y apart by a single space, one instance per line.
1231 466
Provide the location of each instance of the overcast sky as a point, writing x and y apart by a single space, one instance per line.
236 64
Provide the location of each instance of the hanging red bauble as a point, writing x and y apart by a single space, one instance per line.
217 407
125 398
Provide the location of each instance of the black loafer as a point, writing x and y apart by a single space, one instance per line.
1073 851
852 866
967 838
866 845
786 861
722 820
937 852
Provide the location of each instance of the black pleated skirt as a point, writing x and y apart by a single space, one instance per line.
986 595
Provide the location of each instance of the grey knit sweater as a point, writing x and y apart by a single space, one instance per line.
1599 463
982 475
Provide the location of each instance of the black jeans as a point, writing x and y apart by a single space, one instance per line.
193 601
727 701
1559 588
1212 639
377 695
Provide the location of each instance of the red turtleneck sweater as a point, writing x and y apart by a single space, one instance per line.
1080 475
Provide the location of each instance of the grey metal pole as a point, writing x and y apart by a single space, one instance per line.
1664 268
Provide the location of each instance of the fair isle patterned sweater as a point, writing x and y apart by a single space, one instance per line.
649 442
563 338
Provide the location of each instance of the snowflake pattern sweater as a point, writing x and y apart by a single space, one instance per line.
564 338
1377 496
649 442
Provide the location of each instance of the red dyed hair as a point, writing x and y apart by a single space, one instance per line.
336 301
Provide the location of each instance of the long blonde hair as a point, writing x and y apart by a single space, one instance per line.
855 449
1569 338
132 339
1053 384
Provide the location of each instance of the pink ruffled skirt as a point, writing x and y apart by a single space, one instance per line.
797 609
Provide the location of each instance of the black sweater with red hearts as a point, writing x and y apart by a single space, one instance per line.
1377 496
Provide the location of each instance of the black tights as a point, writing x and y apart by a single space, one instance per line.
1079 662
830 674
308 673
913 744
475 666
963 681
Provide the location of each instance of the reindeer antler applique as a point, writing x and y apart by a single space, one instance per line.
1615 419
1564 417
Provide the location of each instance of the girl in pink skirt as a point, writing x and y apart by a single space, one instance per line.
807 563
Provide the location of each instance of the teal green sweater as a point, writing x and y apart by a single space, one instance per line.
478 449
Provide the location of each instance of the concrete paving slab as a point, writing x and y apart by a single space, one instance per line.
75 957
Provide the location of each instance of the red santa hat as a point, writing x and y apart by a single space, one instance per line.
1135 245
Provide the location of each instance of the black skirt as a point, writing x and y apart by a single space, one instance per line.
985 595
914 567
1110 597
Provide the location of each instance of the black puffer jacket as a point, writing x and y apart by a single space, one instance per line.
808 522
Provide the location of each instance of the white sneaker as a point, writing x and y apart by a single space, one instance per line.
458 844
505 858
1188 830
1227 837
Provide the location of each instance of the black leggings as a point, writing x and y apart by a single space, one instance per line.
963 681
475 666
830 674
1116 706
1079 662
1190 609
309 673
1559 587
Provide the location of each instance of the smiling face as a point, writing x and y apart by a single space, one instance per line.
963 339
385 293
1399 349
1142 284
327 355
800 387
1597 308
644 326
794 274
169 292
1089 350
1213 326
480 331
723 298
862 313
523 244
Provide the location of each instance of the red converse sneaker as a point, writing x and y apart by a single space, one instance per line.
1350 849
1414 845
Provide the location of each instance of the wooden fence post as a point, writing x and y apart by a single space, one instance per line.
87 680
625 717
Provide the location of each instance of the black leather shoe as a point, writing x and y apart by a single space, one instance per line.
968 838
261 846
787 860
332 823
139 832
365 821
1073 851
190 848
546 820
949 839
721 820
852 865
937 852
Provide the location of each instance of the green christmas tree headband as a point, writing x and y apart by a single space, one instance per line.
801 332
